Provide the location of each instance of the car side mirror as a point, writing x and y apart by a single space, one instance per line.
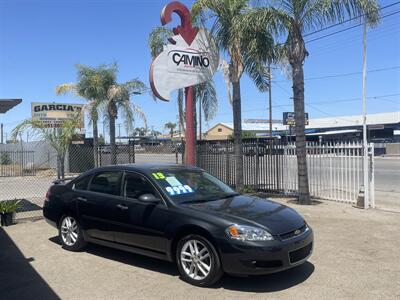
149 198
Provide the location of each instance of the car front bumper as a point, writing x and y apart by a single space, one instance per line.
257 258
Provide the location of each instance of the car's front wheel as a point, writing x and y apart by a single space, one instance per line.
71 235
198 261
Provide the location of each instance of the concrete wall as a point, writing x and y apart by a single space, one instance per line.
393 149
44 155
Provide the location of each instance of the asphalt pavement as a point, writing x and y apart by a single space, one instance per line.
354 257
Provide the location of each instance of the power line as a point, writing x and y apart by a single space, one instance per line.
355 40
346 29
345 74
332 101
349 20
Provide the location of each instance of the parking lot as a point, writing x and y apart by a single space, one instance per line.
355 257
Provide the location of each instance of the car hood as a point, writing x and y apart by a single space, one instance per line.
275 217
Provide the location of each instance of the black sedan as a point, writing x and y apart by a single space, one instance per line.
181 214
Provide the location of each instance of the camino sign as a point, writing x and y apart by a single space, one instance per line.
53 114
182 64
190 58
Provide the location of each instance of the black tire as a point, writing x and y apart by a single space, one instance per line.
79 243
215 272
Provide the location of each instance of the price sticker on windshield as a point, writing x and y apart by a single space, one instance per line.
178 190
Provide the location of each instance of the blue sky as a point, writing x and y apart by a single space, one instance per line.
42 40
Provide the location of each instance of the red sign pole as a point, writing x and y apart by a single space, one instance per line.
190 132
188 33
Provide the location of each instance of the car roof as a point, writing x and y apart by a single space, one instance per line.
145 167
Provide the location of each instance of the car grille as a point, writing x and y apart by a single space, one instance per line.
300 254
294 233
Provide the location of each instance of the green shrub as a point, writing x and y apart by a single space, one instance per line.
9 206
5 158
248 189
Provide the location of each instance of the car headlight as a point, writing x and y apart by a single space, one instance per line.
248 233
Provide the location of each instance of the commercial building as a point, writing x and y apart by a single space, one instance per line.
382 127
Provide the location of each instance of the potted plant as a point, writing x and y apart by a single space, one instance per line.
7 211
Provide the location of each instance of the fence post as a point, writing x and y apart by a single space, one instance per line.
257 165
372 175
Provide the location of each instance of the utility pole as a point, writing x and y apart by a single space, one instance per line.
200 120
104 131
270 99
365 143
119 130
1 132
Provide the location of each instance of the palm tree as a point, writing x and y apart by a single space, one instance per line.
295 18
227 15
206 97
118 99
170 126
92 84
140 131
58 138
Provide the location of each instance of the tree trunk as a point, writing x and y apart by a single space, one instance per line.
270 100
95 143
237 134
62 166
112 115
200 121
301 147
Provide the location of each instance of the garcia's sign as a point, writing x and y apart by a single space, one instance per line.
53 114
181 65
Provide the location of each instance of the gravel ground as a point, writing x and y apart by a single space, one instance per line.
356 256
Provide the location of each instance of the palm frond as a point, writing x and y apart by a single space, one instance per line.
58 138
181 110
158 37
207 95
66 88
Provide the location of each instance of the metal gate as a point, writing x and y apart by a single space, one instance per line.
335 171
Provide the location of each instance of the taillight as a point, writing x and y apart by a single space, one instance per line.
47 195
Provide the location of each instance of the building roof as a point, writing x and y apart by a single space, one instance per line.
334 122
349 121
256 126
332 132
7 104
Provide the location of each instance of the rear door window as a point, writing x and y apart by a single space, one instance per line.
106 183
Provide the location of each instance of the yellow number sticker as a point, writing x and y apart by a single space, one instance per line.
158 175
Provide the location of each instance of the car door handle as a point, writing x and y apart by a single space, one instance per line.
82 199
121 206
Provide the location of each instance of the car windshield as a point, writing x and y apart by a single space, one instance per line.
191 185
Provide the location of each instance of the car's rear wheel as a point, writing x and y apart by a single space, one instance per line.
71 235
198 261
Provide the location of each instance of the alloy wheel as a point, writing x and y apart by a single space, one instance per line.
195 259
69 231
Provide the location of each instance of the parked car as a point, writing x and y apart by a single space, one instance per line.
180 214
177 148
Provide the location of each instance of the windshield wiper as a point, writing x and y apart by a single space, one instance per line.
229 195
211 199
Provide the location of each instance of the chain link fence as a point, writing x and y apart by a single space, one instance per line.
27 170
335 169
